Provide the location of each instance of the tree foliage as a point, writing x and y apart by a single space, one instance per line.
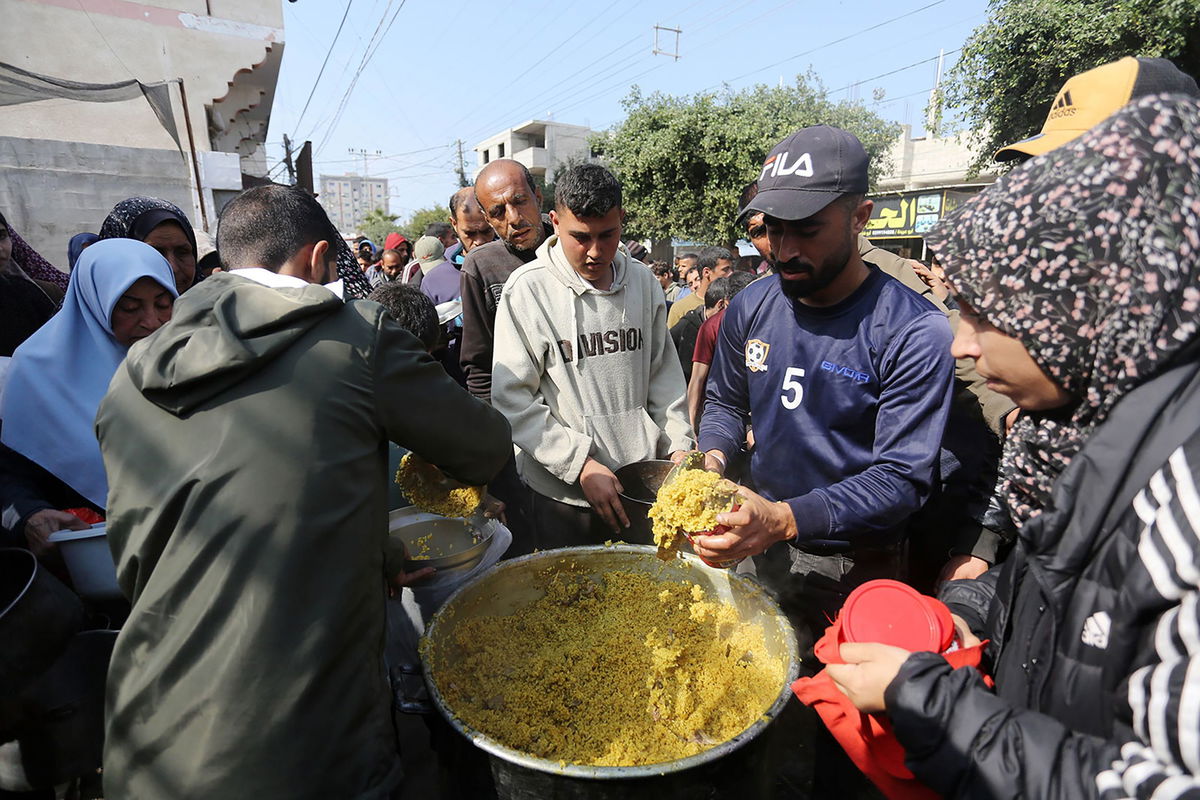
683 161
1013 65
415 227
377 224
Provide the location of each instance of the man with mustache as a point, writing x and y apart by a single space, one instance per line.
512 205
847 375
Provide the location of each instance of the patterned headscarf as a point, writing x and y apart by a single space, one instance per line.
31 262
354 283
1089 256
135 217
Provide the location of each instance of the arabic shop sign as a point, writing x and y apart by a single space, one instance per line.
912 214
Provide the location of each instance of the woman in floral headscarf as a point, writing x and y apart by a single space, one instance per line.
1079 277
163 226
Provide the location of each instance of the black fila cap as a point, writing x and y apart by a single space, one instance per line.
807 171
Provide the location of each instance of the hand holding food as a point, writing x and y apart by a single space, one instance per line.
688 503
757 524
429 489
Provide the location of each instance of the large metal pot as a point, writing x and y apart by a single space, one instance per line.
38 617
733 768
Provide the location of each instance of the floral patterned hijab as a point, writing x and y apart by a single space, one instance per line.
1090 256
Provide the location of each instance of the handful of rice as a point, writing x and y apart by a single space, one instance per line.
687 504
427 488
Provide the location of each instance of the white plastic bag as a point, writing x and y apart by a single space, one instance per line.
410 611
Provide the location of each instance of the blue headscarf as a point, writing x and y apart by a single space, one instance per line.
77 245
61 372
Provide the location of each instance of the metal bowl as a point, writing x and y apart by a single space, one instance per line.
640 481
514 584
455 543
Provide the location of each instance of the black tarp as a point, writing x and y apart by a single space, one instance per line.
21 86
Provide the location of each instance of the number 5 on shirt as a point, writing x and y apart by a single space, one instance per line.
793 391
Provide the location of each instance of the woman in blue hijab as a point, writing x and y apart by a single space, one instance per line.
79 242
121 291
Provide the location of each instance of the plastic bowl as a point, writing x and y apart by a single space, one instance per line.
90 562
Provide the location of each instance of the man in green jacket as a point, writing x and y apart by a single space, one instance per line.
246 454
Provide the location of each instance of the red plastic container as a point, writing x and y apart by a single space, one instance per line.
894 613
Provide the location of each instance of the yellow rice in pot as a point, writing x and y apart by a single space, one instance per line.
623 670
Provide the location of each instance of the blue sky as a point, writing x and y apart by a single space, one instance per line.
465 70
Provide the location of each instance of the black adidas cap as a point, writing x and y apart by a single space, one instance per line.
1091 97
807 171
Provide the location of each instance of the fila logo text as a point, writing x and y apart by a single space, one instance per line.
776 166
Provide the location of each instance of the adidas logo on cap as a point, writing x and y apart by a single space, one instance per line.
1063 106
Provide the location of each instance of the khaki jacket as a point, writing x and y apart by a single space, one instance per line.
245 444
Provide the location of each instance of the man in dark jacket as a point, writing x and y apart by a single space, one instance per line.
512 205
245 450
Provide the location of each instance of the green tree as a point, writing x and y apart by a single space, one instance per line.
415 227
683 161
1013 65
377 224
547 187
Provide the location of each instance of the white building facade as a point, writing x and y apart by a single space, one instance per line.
541 145
349 198
64 162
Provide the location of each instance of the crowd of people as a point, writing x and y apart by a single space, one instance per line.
1014 426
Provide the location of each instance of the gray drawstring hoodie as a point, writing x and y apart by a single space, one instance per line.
582 372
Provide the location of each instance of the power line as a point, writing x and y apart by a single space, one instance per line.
704 21
563 43
894 71
387 156
837 41
372 48
328 53
700 24
544 91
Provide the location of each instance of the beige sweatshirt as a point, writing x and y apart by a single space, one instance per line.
582 372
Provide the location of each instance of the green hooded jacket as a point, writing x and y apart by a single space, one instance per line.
245 444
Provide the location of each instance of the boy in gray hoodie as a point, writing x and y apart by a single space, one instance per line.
584 368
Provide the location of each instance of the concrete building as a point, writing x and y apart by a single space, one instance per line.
927 181
349 198
541 145
65 161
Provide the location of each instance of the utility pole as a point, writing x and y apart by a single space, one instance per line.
462 168
659 51
287 159
304 172
933 112
365 155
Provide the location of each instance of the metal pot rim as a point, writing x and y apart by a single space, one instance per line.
587 771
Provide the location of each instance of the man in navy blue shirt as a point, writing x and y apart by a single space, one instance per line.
847 376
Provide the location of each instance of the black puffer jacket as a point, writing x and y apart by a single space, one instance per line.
1094 624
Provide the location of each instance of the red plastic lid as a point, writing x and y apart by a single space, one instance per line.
894 613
